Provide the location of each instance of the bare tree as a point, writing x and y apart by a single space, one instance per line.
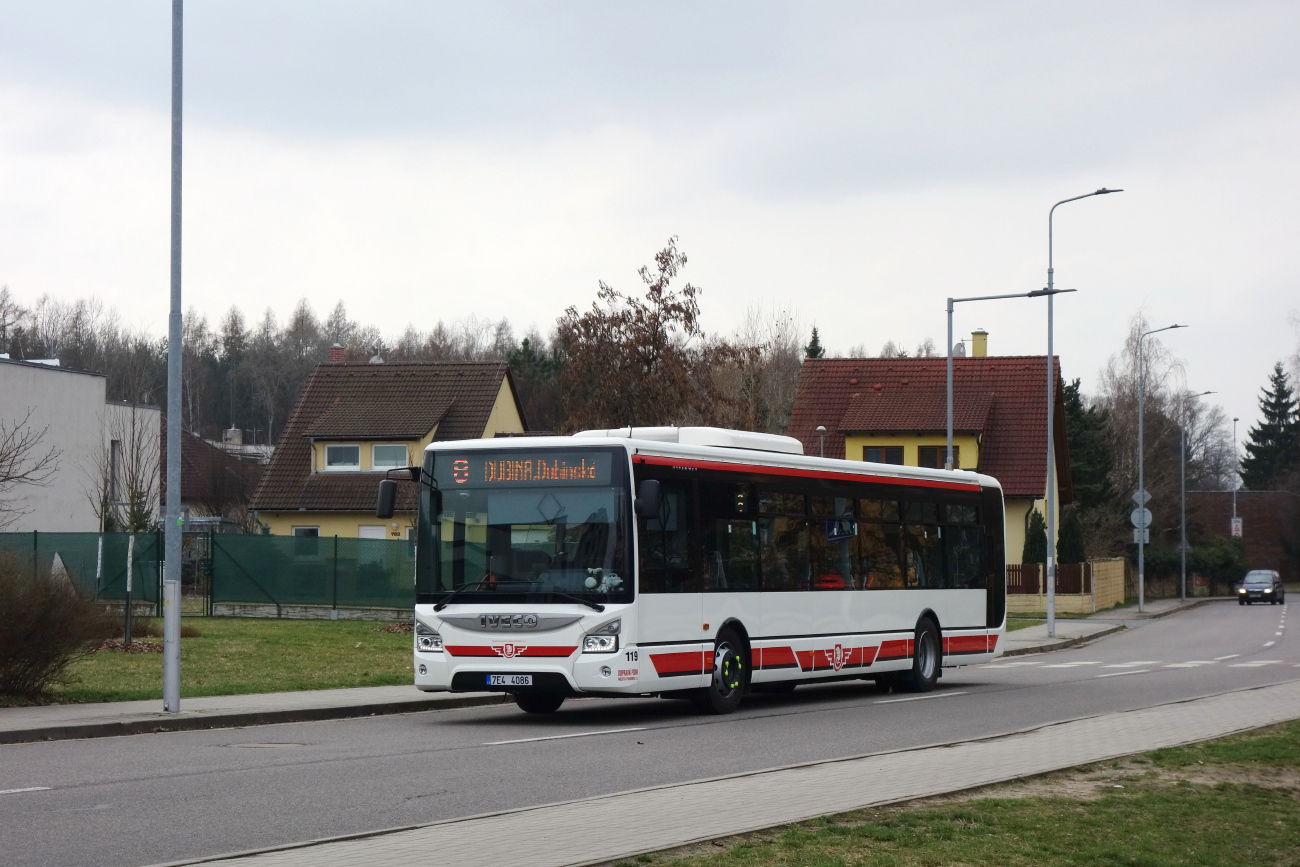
123 474
25 461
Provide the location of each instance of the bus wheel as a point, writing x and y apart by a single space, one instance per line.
925 657
723 695
539 702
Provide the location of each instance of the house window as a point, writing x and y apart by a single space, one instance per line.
338 458
883 454
387 457
935 456
306 531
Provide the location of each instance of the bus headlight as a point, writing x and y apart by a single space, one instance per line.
427 639
600 644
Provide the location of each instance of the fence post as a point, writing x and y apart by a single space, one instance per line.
210 570
158 562
334 597
130 554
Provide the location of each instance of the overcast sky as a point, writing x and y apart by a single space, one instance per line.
857 163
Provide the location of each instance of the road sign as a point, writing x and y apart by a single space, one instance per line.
1141 518
1236 527
1141 498
1143 536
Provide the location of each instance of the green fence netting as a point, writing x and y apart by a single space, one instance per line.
101 573
313 570
273 570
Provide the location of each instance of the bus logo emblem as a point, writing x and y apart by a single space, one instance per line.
837 657
510 651
460 471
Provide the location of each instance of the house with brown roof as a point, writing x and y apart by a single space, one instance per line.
355 421
894 410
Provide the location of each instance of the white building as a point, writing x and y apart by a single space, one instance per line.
100 449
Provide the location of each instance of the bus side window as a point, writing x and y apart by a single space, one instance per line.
923 548
783 544
831 543
964 549
664 544
879 556
730 538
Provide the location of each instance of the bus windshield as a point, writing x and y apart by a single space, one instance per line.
525 525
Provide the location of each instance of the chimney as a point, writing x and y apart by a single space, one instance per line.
979 343
232 436
336 354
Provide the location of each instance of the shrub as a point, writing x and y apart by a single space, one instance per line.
46 623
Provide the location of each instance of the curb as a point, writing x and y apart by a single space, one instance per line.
1063 644
238 719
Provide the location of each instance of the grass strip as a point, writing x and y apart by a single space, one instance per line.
1231 801
230 656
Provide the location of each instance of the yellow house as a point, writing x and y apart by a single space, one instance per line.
894 411
355 421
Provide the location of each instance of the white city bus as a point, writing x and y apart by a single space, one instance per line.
694 563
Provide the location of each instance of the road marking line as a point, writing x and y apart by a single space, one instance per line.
28 789
1277 633
1256 664
919 697
1229 656
1132 664
1269 643
1122 673
562 737
1070 664
1183 665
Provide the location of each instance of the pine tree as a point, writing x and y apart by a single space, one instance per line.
1091 459
1035 550
814 349
1070 548
1273 448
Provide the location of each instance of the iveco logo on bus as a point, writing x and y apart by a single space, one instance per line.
509 651
507 621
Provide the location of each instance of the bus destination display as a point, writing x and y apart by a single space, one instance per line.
493 469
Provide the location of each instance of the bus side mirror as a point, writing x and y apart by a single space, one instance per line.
387 501
649 497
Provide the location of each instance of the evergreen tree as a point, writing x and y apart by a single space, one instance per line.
1071 548
1273 448
1091 459
1035 550
814 349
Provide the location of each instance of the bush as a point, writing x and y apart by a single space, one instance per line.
46 623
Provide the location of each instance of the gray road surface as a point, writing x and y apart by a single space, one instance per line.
152 798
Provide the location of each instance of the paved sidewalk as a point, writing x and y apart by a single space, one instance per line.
605 828
1033 639
108 719
63 721
1156 608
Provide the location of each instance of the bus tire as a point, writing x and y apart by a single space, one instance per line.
926 657
539 702
730 675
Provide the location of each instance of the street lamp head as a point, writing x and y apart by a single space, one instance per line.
1103 191
821 428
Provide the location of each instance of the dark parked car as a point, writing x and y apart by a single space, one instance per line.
1261 585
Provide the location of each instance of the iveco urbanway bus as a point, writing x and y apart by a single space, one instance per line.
695 563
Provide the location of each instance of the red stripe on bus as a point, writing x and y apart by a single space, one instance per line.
488 650
774 657
900 649
993 643
684 662
965 644
803 474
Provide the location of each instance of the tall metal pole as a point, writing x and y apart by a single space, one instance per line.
172 567
1236 480
947 462
1182 508
1141 531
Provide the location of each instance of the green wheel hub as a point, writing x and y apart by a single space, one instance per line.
728 670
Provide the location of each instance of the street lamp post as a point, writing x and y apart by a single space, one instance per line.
1037 293
1051 406
1236 479
821 440
1182 497
1141 532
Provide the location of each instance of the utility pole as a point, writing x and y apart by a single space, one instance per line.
172 537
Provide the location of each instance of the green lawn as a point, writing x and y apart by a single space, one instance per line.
241 655
1234 801
1014 623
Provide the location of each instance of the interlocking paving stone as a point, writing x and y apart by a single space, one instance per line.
618 826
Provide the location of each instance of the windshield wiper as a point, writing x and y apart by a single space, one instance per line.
571 598
459 590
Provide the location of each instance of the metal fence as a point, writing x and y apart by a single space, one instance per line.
232 570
